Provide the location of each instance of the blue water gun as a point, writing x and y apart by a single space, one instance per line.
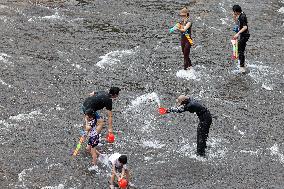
175 27
236 28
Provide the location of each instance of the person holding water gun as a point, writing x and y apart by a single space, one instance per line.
242 33
93 130
184 26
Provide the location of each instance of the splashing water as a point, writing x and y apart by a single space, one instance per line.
275 151
188 74
113 57
146 98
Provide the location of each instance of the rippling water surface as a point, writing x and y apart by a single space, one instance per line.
52 54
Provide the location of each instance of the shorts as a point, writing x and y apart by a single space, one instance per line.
94 140
83 109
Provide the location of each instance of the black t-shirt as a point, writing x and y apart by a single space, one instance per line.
194 106
101 100
242 21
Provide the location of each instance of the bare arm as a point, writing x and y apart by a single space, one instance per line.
185 28
122 173
241 31
114 172
92 93
110 129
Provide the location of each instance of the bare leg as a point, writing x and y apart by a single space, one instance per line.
95 154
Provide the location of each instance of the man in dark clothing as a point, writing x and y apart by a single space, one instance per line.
242 33
189 104
100 100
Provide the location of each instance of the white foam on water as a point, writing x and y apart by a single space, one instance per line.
126 13
21 176
21 117
216 148
148 125
259 67
53 165
6 124
113 58
250 152
190 151
53 17
145 99
262 74
3 7
241 132
77 66
274 151
4 57
281 10
224 21
152 144
59 108
148 158
188 74
60 186
4 83
267 87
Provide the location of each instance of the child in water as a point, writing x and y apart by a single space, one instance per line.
94 131
119 167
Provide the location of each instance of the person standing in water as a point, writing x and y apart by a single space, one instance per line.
242 33
93 130
100 100
186 40
186 103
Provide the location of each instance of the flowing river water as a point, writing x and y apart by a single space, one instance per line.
53 53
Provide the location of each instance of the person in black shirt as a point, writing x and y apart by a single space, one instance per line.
100 100
242 32
186 103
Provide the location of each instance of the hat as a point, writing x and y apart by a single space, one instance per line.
181 98
184 12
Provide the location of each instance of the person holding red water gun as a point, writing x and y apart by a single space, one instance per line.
186 103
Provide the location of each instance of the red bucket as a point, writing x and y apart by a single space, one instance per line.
110 137
122 183
162 111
